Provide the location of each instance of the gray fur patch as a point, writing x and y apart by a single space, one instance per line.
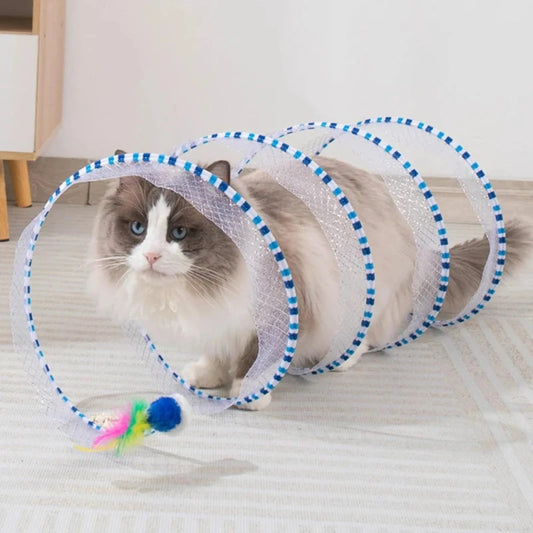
467 262
214 254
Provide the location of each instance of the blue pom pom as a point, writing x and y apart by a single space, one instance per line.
164 414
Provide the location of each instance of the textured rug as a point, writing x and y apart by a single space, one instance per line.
436 436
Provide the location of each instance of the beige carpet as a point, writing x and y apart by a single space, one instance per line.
436 436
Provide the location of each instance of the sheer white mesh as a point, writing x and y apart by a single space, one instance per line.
412 205
305 185
407 197
432 152
269 306
301 181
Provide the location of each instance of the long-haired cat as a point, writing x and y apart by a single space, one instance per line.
154 258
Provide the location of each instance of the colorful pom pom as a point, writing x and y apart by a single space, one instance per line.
164 414
131 425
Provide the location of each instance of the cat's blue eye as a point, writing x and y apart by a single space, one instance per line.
137 228
179 233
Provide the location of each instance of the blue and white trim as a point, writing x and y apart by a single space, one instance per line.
98 169
84 175
478 173
341 198
428 198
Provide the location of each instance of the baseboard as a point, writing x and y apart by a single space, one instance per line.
515 196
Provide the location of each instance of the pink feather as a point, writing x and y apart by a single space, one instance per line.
119 427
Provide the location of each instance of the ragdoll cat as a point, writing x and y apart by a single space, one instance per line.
154 258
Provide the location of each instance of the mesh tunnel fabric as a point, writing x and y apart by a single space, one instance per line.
275 306
382 148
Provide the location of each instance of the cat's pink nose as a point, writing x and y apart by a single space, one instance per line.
152 257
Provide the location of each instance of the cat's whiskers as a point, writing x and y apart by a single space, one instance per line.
222 292
201 294
213 275
229 290
205 276
199 280
112 262
108 258
120 282
112 266
207 270
211 278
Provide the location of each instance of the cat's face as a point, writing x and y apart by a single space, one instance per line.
156 236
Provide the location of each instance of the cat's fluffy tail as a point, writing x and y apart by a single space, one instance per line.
467 261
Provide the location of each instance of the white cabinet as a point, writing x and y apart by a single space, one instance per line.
18 92
31 88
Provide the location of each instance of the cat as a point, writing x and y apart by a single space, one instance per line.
156 259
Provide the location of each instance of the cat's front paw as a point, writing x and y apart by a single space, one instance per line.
258 405
206 373
362 349
347 364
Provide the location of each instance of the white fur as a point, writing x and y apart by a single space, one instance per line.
172 261
257 405
362 349
319 276
207 372
215 328
161 299
219 328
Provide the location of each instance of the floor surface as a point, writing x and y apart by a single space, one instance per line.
435 436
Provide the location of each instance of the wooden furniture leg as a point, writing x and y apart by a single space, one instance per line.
4 226
21 182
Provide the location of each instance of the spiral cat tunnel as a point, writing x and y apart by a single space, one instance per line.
292 157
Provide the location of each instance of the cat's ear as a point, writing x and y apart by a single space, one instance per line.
119 152
126 182
221 169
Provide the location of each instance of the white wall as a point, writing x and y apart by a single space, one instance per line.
147 75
